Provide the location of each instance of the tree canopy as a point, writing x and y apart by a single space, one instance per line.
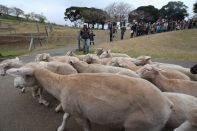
195 8
88 15
174 11
146 13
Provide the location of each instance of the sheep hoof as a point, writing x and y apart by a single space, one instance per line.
23 90
46 103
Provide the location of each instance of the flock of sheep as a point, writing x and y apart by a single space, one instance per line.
112 89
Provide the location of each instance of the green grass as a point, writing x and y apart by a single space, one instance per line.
176 45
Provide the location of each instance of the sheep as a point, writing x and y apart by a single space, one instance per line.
83 67
9 63
124 63
191 123
182 105
99 51
104 99
56 67
143 60
47 57
169 73
169 85
193 69
91 59
107 54
179 68
71 53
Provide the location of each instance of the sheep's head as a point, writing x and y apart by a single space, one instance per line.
3 68
70 53
148 72
24 77
193 70
88 58
106 54
9 63
99 51
42 57
115 62
142 60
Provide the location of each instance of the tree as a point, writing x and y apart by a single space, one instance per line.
41 18
27 16
146 13
118 11
73 14
174 11
17 11
195 8
87 15
93 16
4 10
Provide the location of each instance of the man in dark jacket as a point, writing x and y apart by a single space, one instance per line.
85 35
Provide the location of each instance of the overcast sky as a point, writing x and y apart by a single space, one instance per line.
54 9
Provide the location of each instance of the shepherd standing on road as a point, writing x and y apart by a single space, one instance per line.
85 35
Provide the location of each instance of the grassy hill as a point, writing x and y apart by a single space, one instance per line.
175 45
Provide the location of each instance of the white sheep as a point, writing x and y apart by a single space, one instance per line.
169 73
56 67
71 53
169 85
191 123
47 57
186 71
107 54
99 51
92 59
83 67
9 63
124 63
182 105
105 99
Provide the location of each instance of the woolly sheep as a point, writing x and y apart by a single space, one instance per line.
83 67
104 99
191 123
169 85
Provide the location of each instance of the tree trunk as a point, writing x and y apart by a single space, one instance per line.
103 26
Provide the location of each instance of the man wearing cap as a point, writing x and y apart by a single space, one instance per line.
85 35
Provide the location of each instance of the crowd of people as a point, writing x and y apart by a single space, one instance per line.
161 25
137 28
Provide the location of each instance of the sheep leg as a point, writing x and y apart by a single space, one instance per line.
58 108
63 125
41 100
23 90
35 91
84 123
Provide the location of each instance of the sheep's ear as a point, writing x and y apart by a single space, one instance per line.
147 58
157 69
44 57
20 71
17 59
4 64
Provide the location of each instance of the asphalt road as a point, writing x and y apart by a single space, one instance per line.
20 112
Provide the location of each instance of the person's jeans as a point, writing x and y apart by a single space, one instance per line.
85 46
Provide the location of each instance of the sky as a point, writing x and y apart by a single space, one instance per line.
54 9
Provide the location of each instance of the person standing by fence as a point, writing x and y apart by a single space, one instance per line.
85 35
92 37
